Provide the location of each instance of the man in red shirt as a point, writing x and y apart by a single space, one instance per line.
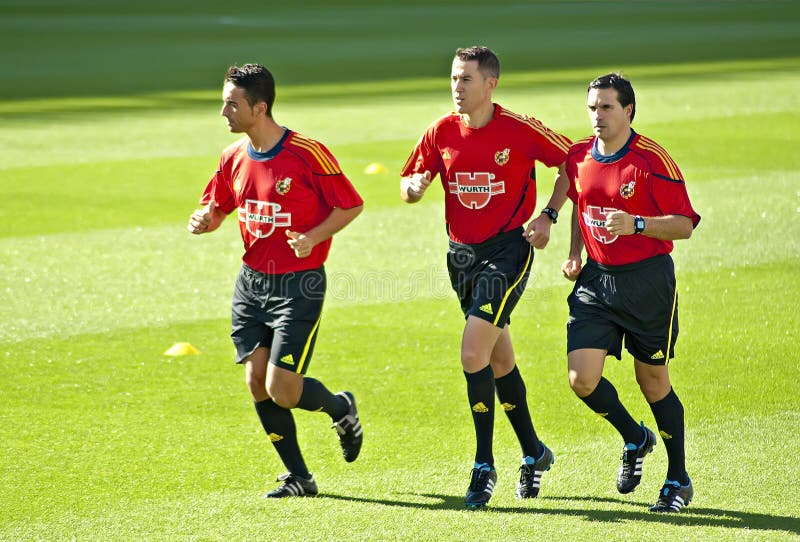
290 197
485 156
630 204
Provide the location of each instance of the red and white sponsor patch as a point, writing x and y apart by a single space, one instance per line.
262 217
474 190
595 218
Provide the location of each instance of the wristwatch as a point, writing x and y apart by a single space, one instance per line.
638 224
552 213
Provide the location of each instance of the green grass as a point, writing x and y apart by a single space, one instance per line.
107 439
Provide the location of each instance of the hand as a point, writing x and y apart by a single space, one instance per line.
200 220
538 231
571 268
619 223
300 243
418 183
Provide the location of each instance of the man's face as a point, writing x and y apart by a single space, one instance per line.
236 109
609 119
470 88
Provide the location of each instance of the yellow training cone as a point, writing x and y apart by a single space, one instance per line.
181 349
374 168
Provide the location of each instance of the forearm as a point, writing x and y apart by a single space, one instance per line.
576 239
560 187
668 228
336 221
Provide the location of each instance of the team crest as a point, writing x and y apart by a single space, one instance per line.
283 186
626 190
262 217
474 190
501 157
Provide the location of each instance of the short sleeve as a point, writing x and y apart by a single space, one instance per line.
424 157
220 189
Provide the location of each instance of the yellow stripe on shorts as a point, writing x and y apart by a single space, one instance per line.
519 278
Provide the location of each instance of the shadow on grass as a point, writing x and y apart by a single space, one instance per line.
690 516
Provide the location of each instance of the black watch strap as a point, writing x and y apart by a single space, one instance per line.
552 213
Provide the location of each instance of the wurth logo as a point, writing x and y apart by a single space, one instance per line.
474 190
262 217
595 219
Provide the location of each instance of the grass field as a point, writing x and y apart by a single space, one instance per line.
109 130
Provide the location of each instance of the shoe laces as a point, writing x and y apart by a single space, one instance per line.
629 458
668 494
526 474
479 477
346 423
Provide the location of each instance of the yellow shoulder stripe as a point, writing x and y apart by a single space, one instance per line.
553 137
328 166
669 164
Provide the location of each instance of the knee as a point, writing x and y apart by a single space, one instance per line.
655 385
284 396
582 384
256 386
654 390
473 360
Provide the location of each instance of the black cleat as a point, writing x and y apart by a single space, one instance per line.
630 472
293 486
673 497
530 475
481 486
351 435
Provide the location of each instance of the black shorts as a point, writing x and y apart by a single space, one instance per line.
279 312
638 301
489 277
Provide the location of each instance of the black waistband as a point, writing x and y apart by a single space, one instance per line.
647 262
498 239
256 273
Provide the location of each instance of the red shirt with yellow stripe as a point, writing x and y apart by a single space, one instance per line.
640 179
488 173
294 186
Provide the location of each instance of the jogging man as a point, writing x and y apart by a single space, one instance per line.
630 204
290 197
485 156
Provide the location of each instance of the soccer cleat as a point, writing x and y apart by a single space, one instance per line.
530 474
351 434
293 486
481 486
630 472
673 497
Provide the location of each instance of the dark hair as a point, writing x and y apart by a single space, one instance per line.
257 82
625 95
488 63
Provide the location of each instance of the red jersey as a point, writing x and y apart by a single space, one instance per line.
294 186
488 173
640 179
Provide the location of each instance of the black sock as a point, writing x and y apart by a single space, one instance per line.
278 423
480 391
512 395
668 413
316 398
605 402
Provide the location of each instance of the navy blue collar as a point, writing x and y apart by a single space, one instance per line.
272 153
607 159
